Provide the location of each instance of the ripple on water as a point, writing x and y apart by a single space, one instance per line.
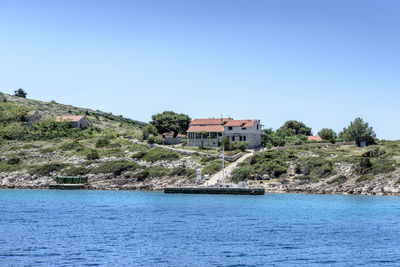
145 229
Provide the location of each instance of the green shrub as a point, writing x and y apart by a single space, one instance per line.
47 150
271 163
116 167
93 154
74 145
157 171
13 160
4 167
75 171
139 155
315 166
46 169
182 171
151 140
157 154
205 160
213 167
382 166
340 179
103 142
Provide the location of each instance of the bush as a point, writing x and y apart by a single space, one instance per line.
13 161
213 167
93 154
116 167
271 163
20 93
47 150
103 142
74 145
4 167
151 140
314 166
340 179
75 171
242 146
157 154
46 169
375 152
182 171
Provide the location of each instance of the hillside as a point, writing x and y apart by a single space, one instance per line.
113 154
110 151
326 169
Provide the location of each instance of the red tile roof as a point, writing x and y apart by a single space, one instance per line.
209 121
69 118
206 128
314 138
241 123
30 113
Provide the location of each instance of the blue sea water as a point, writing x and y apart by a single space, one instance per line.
127 228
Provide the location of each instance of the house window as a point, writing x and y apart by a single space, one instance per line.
230 128
233 138
243 128
257 126
213 135
244 138
219 134
240 138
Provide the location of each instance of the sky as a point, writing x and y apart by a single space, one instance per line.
320 62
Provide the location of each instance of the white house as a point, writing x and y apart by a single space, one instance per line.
209 132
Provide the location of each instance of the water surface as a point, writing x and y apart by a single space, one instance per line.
127 228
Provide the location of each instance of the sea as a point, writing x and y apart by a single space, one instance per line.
134 228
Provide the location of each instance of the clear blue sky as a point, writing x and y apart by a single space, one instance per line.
320 62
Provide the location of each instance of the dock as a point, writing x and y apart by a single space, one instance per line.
214 190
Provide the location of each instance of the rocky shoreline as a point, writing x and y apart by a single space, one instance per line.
379 186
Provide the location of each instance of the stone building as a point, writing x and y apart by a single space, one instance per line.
76 121
209 132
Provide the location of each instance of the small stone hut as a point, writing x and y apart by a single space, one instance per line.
80 122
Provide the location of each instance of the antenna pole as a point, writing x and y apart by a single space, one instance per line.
223 163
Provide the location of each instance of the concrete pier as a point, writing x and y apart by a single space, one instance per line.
214 190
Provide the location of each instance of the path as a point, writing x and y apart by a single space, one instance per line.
228 170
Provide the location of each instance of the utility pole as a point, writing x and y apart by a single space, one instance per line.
223 163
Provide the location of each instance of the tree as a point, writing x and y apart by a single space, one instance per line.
148 130
169 121
327 134
359 131
20 93
293 127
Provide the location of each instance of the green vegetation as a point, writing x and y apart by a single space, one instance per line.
279 138
116 167
156 154
328 135
46 169
169 121
315 167
291 128
20 93
149 130
103 142
93 154
213 167
270 163
359 131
